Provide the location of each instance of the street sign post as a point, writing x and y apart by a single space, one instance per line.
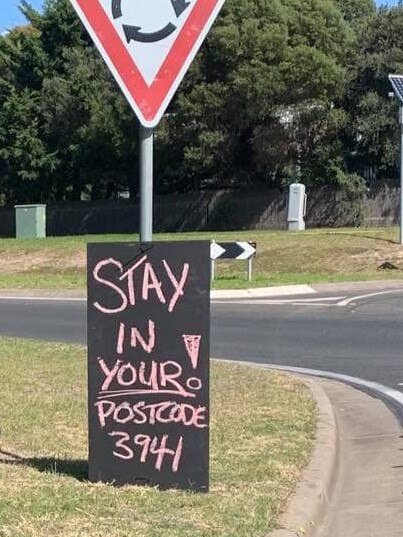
241 250
397 85
148 46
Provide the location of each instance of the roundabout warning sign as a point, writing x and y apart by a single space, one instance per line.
148 45
135 33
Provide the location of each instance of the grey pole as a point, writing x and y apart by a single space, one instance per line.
401 172
250 265
146 183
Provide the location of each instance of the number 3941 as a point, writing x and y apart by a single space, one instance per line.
147 448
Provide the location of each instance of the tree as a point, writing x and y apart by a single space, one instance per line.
374 123
24 157
262 104
264 81
74 132
357 12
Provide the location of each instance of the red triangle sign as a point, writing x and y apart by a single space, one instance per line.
148 45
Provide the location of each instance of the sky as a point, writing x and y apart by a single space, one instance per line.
10 16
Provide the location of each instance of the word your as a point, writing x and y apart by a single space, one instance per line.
148 447
142 412
149 282
146 377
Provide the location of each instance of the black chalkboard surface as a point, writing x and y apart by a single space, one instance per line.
148 363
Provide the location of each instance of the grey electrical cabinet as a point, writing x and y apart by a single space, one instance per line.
30 221
296 207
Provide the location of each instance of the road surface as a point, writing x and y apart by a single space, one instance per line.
359 336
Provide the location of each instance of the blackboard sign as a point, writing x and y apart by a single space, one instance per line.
148 363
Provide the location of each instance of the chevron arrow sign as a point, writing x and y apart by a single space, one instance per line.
232 250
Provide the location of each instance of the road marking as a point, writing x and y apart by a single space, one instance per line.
271 303
286 301
339 301
348 301
245 302
323 299
43 299
302 301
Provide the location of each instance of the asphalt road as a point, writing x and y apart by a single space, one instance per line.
363 338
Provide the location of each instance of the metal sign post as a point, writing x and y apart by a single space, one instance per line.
250 269
146 183
397 85
401 172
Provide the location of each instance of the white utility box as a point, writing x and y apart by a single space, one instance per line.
296 207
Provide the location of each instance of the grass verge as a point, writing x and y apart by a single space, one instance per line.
263 428
313 256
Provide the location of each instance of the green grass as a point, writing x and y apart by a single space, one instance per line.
313 256
263 426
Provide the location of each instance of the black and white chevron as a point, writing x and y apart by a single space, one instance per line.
232 250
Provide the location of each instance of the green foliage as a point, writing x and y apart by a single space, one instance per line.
259 95
357 12
281 90
374 139
65 130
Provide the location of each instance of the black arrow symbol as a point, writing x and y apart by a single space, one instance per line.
180 6
134 33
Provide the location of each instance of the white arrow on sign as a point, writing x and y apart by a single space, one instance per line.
249 250
215 250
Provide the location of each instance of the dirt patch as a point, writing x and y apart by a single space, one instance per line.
388 253
19 261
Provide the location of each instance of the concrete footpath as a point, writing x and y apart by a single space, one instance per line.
354 484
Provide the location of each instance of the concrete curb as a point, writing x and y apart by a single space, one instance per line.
259 292
309 504
263 292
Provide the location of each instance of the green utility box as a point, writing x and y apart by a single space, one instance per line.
30 221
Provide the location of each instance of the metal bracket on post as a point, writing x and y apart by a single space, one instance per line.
146 155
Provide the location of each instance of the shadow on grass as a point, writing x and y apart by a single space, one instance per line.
70 467
360 236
